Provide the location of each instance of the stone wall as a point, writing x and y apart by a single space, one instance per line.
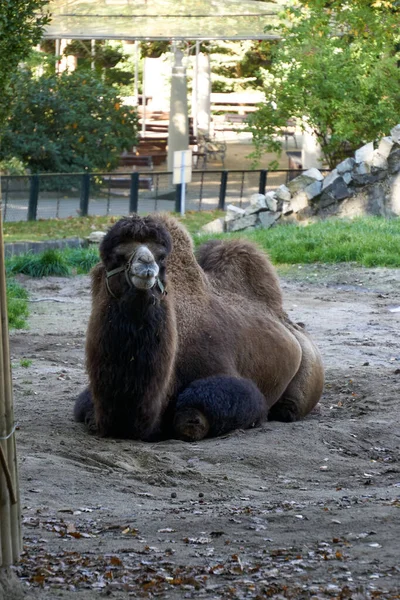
366 184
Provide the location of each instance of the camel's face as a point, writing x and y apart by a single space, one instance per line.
134 252
143 270
143 263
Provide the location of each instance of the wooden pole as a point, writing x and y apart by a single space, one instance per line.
10 521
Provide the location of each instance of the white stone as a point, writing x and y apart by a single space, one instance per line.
314 174
272 202
233 212
330 178
299 201
395 133
216 226
267 219
379 161
257 203
243 223
385 146
363 168
257 200
252 210
286 207
345 166
96 237
313 190
283 193
365 153
300 182
347 177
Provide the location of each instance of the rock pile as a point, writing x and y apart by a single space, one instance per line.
368 183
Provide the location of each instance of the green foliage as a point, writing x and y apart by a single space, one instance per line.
12 166
337 66
110 61
72 122
82 259
50 262
21 27
17 305
239 65
370 242
154 49
25 362
61 263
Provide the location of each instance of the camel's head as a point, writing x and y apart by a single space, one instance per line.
134 253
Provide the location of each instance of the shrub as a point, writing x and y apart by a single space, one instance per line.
50 262
17 305
67 123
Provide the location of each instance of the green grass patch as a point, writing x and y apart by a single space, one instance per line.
81 260
49 262
367 241
62 263
17 305
53 229
25 362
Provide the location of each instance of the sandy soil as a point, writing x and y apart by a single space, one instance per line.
303 510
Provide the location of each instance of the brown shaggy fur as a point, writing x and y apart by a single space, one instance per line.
131 338
223 315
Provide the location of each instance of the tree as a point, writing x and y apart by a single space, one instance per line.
71 122
238 65
335 69
110 61
21 27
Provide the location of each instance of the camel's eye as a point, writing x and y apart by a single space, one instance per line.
162 257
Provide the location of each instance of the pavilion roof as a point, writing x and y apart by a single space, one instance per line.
162 19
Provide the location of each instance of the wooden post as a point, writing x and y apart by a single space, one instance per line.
10 521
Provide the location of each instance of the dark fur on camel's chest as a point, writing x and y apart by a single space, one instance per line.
132 342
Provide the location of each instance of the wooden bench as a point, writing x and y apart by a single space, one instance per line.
236 102
131 159
121 182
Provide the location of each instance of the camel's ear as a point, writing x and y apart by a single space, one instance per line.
97 275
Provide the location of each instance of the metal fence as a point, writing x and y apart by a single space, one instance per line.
61 195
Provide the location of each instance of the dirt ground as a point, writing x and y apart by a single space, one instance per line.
303 510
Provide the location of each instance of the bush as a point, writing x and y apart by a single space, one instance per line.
61 263
50 262
82 259
17 305
67 123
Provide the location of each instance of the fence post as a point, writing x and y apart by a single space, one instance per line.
222 190
85 190
134 193
263 181
178 195
33 197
